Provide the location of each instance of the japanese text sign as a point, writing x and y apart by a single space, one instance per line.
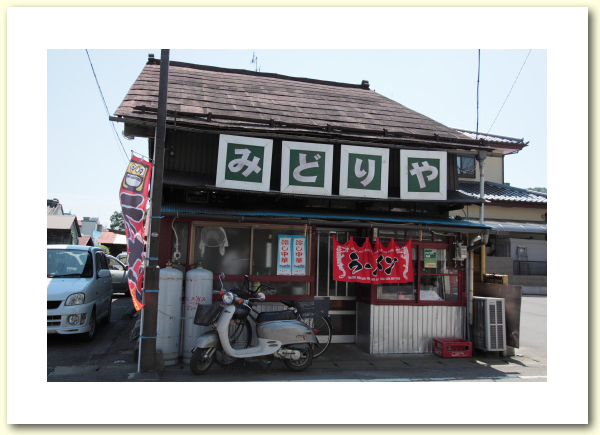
291 255
364 171
378 265
423 174
306 168
244 163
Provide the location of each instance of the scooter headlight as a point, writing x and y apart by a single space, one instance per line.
228 297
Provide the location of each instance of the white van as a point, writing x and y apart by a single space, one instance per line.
79 290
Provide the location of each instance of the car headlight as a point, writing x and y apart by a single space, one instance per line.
75 299
228 297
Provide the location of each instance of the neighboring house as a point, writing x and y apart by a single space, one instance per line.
114 240
62 230
85 241
518 217
54 207
89 225
254 160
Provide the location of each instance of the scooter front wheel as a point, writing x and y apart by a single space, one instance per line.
306 356
201 360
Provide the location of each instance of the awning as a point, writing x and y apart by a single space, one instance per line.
517 228
315 214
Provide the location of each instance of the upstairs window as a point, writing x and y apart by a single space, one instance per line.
466 166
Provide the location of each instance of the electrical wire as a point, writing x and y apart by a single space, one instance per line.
511 88
107 111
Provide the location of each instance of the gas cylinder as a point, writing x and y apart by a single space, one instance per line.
170 289
198 291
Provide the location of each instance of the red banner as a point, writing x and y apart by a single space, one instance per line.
133 195
378 265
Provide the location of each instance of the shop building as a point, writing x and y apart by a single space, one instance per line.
252 159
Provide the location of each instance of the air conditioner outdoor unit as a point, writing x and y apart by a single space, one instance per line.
489 324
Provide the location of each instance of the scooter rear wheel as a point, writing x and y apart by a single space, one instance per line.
302 363
201 360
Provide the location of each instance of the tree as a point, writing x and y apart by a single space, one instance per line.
105 248
116 221
538 189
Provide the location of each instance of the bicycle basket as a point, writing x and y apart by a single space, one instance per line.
207 314
313 307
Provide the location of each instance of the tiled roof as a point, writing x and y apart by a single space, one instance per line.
492 137
60 222
495 192
211 97
110 238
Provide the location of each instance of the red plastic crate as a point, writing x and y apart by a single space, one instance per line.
452 348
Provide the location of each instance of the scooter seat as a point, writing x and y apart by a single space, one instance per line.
275 315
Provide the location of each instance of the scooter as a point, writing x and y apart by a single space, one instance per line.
282 338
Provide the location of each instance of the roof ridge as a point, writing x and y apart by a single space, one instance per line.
364 85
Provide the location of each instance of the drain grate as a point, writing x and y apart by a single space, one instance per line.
245 365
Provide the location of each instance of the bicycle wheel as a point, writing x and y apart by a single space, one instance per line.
323 331
240 335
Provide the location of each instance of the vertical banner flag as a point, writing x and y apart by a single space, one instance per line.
380 265
133 195
291 255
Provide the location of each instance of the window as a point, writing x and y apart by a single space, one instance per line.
466 166
247 249
114 264
436 277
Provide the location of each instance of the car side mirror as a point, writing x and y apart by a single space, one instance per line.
104 273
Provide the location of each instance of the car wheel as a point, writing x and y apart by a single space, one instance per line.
89 336
106 320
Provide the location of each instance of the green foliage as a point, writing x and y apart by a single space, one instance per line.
116 221
538 189
105 249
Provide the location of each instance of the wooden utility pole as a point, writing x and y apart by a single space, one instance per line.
147 354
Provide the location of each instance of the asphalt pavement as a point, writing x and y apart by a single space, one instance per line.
110 358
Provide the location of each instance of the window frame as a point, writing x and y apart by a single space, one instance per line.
309 278
419 246
458 166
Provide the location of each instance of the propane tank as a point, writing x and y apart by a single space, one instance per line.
198 291
170 286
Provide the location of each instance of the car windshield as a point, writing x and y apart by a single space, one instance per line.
69 263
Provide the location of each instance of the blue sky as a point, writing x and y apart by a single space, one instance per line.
441 84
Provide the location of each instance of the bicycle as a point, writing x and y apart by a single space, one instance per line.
313 312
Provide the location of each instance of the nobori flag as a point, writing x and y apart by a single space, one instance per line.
133 195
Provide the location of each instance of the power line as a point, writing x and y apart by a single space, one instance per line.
107 111
511 88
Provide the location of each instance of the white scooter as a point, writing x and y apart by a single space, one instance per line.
279 336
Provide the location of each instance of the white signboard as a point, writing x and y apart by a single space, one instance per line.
306 168
364 172
244 163
423 175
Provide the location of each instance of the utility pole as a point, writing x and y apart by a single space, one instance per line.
147 354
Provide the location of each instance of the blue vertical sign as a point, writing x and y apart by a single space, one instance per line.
284 255
291 255
95 237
